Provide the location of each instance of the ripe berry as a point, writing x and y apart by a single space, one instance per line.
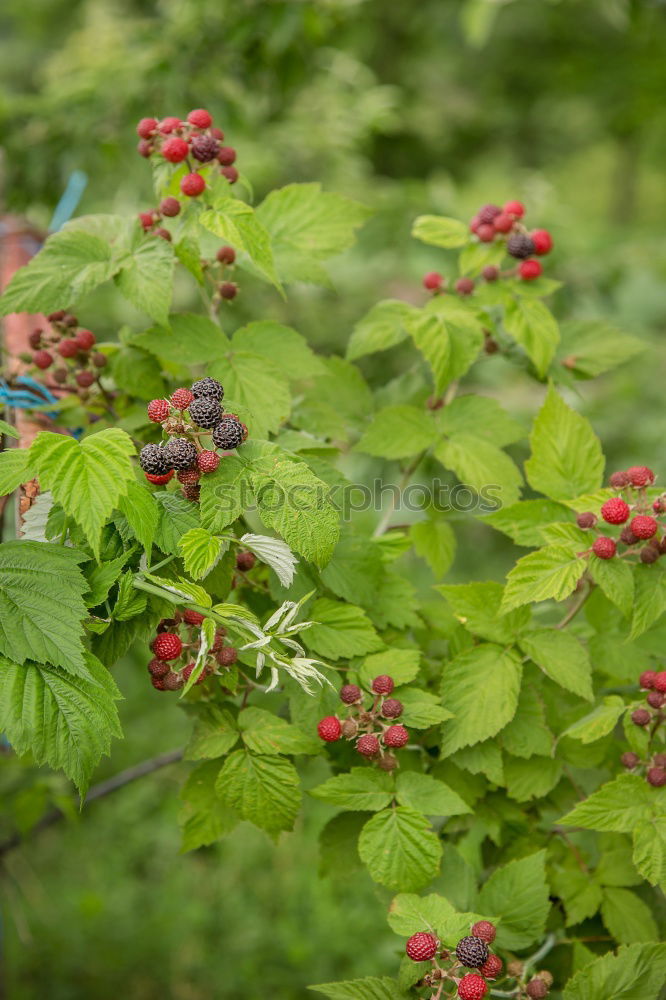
465 286
515 208
144 148
85 339
153 460
472 987
656 699
228 434
158 410
432 281
660 681
157 683
170 207
100 360
519 245
640 475
329 729
615 511
529 270
474 224
147 220
492 968
204 148
146 127
245 561
168 125
630 759
175 150
486 232
503 222
226 656
489 213
421 947
368 745
643 526
350 693
208 461
656 777
85 379
641 717
647 679
226 155
586 520
228 290
396 737
490 273
619 479
604 547
192 617
158 668
485 930
167 646
159 480
188 477
472 952
208 387
42 359
658 505
205 412
226 255
68 348
391 708
192 185
230 173
536 989
186 673
180 454
172 681
200 118
217 133
383 684
181 398
543 241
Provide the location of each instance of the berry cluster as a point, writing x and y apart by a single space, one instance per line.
195 142
186 417
70 348
631 509
374 730
494 224
653 766
174 659
473 952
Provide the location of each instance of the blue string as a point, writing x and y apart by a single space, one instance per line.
69 201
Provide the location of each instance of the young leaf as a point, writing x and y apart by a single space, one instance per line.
517 893
480 709
141 512
566 457
549 572
340 630
360 789
439 231
238 224
275 553
616 580
264 790
201 551
561 657
400 849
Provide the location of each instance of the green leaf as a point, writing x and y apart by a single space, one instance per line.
477 607
481 416
481 465
225 494
41 604
398 432
361 789
400 849
524 522
203 817
146 274
356 569
137 373
264 790
592 347
531 779
561 657
338 856
439 231
275 553
476 256
599 722
527 733
265 733
649 600
551 572
421 710
281 345
177 517
435 542
188 252
580 895
340 630
201 551
617 807
186 339
449 338
215 733
483 758
627 917
101 577
86 478
64 720
428 795
381 328
259 386
361 989
142 513
637 971
236 223
616 580
535 328
408 914
401 664
129 602
480 710
14 469
566 458
517 893
650 850
7 430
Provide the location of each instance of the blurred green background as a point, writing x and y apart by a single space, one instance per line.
432 107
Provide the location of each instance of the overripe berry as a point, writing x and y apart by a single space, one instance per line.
158 410
391 708
226 656
643 526
61 375
649 554
503 222
492 968
543 241
515 968
368 745
245 561
226 155
70 320
230 173
472 952
192 185
586 520
465 286
193 617
172 681
472 987
329 729
641 717
490 273
159 480
42 359
68 348
619 479
188 477
200 118
640 475
35 339
228 290
485 930
228 434
57 316
208 461
627 536
85 379
604 547
350 693
349 729
153 459
146 127
647 679
170 207
387 762
100 360
515 208
167 646
226 255
489 213
656 777
519 245
204 148
158 668
486 232
396 737
630 760
432 281
383 684
660 681
169 125
205 412
180 454
208 387
529 270
85 339
536 989
546 976
658 505
158 683
615 511
656 699
421 947
192 492
175 150
181 398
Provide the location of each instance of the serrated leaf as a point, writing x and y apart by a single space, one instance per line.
257 384
185 339
527 733
531 778
400 849
597 723
435 542
649 599
481 416
401 664
340 630
338 856
275 554
482 466
14 469
649 840
477 608
36 518
141 512
592 347
215 733
146 274
138 373
627 917
440 231
619 806
129 602
535 328
449 341
480 711
265 733
550 572
101 577
616 580
421 710
482 758
360 789
361 989
238 224
637 971
8 430
225 494
408 914
517 893
177 516
428 795
201 551
398 432
203 817
566 458
476 256
281 345
265 790
524 522
561 657
381 328
580 895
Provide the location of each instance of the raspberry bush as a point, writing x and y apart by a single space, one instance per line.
492 751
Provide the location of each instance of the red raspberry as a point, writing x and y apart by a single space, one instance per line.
85 379
486 232
492 968
146 127
485 930
368 745
640 475
619 479
465 286
472 987
181 398
147 220
586 520
643 526
529 270
159 480
192 185
228 290
226 255
656 699
158 668
392 708
245 561
615 511
188 477
329 729
515 208
217 133
658 505
660 681
169 125
226 656
85 339
350 693
158 410
490 273
170 207
167 646
536 989
158 683
186 673
432 281
200 118
175 150
144 148
474 224
230 173
656 776
396 737
641 717
604 547
42 359
421 947
383 684
172 681
68 348
488 213
227 155
192 617
647 679
503 222
208 461
630 760
543 241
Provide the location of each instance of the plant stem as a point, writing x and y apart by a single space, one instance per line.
385 519
541 952
575 607
160 564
